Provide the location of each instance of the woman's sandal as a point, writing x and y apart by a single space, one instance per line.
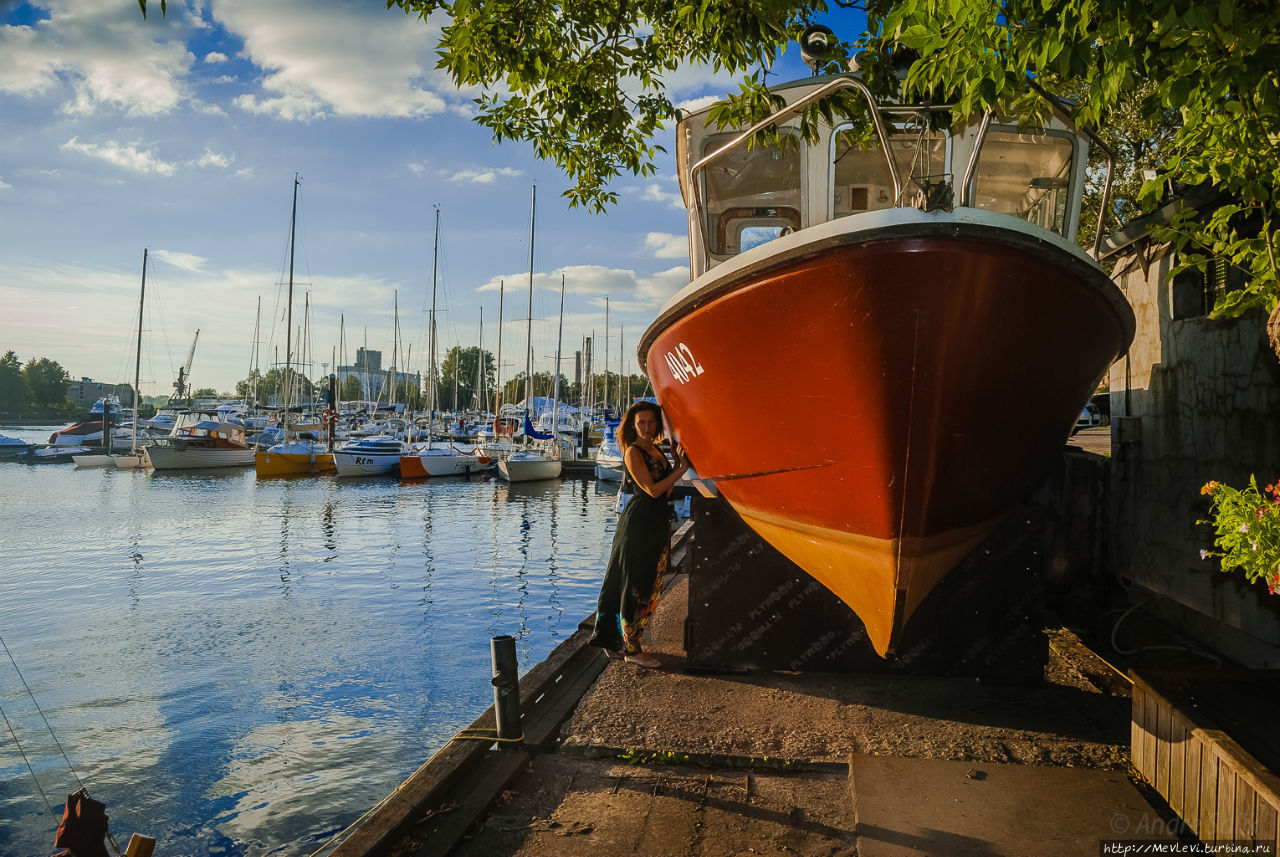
640 659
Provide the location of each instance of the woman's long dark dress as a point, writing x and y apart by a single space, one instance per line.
633 579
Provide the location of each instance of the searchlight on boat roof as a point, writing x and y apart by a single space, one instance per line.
817 45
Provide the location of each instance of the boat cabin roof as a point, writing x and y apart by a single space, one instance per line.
740 195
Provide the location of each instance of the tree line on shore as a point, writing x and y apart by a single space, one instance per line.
38 388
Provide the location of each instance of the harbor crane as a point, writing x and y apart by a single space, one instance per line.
181 386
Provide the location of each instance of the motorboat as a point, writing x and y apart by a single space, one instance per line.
198 441
12 447
370 456
55 454
894 282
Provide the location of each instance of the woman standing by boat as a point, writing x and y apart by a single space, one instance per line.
633 580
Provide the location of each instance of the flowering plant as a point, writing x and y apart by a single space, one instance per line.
1247 530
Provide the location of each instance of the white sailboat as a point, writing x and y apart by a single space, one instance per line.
538 462
136 457
426 460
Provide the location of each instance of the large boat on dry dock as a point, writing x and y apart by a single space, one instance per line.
888 288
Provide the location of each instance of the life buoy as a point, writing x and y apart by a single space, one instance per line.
330 416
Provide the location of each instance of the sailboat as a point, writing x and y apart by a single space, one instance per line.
378 454
292 456
912 274
537 462
426 460
136 457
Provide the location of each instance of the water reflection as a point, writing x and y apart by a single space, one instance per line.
293 649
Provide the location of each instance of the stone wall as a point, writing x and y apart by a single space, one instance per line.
1195 400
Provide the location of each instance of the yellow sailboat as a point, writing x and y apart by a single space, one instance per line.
292 456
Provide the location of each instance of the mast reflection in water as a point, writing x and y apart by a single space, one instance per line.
243 667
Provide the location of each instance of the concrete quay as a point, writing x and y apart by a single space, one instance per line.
663 762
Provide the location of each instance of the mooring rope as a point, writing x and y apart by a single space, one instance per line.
56 742
36 779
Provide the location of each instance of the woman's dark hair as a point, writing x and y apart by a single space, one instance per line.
627 428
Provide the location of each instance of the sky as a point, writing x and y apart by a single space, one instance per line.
182 134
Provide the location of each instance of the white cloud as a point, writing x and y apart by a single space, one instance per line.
215 57
667 246
623 287
185 261
223 78
693 105
4 185
129 156
654 192
213 159
417 168
103 53
336 59
484 176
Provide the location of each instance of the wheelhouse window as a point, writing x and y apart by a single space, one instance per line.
752 196
861 177
1026 175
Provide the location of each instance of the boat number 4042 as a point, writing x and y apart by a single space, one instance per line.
684 366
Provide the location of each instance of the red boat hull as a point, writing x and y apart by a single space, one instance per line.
929 383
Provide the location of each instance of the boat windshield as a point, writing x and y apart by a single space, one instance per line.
1025 175
861 176
752 194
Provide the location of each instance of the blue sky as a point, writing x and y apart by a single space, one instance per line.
183 133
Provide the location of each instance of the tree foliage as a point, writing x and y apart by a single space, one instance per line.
1211 62
14 392
48 383
585 83
460 364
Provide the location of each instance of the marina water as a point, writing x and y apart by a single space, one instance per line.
243 667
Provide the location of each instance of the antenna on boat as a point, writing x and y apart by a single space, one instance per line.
818 44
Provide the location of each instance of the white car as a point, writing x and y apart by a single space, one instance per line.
1089 417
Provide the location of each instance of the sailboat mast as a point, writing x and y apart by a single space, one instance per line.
395 345
435 260
137 363
555 396
497 378
528 345
605 397
480 364
622 401
288 327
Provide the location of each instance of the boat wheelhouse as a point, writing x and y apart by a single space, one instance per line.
883 283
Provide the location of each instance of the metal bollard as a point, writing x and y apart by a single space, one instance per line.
506 686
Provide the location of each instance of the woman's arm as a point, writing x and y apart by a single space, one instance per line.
639 471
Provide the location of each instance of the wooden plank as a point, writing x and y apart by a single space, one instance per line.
1207 828
1177 763
1245 811
1263 781
1191 782
1136 731
1149 717
1264 824
1164 714
1224 825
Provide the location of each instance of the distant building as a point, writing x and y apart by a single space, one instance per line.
373 380
85 392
